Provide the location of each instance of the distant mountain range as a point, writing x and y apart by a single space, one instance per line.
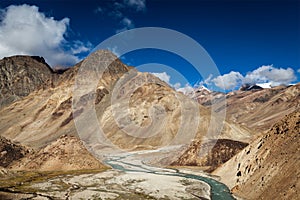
252 106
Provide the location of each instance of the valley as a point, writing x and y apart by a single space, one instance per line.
135 137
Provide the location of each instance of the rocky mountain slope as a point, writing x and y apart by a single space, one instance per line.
66 153
18 78
210 154
257 109
269 167
138 111
10 152
44 115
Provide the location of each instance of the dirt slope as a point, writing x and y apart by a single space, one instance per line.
269 167
66 153
210 154
44 115
10 152
255 109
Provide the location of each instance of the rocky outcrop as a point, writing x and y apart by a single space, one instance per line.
21 75
66 153
210 154
269 167
248 87
44 115
10 152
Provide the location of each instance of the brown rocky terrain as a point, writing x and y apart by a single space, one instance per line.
209 154
10 152
256 109
43 119
269 167
18 78
38 109
66 153
44 115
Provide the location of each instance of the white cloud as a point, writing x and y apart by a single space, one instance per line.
138 5
268 73
79 47
127 25
298 70
264 85
228 81
25 30
264 75
163 76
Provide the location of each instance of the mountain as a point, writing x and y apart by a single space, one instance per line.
45 113
248 87
269 167
66 153
46 124
40 117
10 152
210 154
18 78
257 109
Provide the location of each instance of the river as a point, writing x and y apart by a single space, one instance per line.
128 163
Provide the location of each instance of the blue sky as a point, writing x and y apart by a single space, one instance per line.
258 41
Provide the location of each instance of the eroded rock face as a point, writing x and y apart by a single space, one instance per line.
10 152
209 154
21 75
66 153
269 167
45 113
257 109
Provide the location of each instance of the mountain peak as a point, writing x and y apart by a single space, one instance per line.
21 75
248 87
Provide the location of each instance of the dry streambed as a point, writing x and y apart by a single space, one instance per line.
111 184
130 178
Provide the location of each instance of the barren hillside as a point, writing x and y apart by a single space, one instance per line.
44 115
269 167
66 153
256 109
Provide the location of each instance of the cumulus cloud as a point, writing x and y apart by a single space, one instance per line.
268 73
138 5
25 30
127 24
298 70
228 81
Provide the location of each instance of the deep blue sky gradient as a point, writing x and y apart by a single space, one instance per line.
239 35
